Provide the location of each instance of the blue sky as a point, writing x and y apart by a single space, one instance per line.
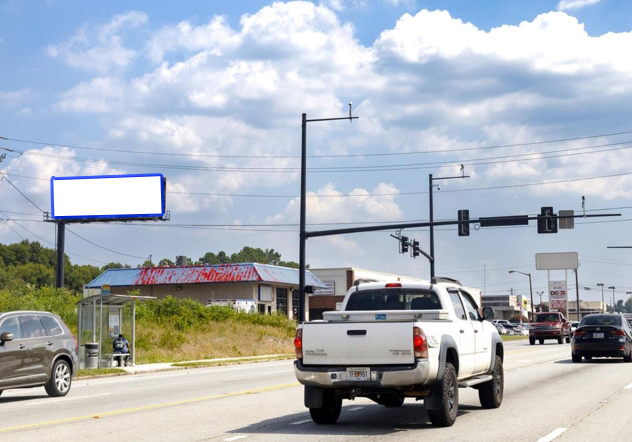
223 84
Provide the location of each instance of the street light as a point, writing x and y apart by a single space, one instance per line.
302 232
530 289
540 295
603 303
614 309
431 204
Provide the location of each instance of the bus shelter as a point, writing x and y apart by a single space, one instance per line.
101 319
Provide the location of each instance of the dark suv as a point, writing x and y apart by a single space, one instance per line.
551 325
36 349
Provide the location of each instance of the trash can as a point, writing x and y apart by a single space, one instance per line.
92 355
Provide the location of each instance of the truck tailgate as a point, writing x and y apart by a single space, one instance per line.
358 343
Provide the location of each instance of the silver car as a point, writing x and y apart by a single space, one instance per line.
36 349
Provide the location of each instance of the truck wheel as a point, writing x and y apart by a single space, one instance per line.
628 357
446 414
560 340
329 412
576 357
568 339
491 393
532 341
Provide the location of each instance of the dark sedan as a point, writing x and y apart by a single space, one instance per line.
602 335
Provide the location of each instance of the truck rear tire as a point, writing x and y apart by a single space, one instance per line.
491 393
446 414
560 340
532 341
329 412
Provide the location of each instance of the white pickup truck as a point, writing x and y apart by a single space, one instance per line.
391 341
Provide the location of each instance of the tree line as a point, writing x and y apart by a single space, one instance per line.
28 263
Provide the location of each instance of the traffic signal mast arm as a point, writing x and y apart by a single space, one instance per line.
518 219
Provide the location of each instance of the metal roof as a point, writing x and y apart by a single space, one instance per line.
242 272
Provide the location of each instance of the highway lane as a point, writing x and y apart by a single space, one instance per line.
544 393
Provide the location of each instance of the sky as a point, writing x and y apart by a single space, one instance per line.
531 97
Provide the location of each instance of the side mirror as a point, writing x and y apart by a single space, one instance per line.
488 313
6 336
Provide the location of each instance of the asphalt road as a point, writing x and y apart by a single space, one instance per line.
545 395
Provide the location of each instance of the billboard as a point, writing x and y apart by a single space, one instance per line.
556 261
557 296
107 197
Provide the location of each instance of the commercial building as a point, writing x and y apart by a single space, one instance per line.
509 306
249 286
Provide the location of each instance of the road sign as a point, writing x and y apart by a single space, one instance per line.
556 261
567 223
105 289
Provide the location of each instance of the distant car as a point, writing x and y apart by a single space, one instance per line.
602 335
525 329
36 349
501 330
512 329
550 325
574 325
630 322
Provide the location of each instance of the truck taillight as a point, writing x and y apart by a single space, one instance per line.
298 344
393 285
420 344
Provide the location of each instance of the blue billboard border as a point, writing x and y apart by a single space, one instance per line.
110 217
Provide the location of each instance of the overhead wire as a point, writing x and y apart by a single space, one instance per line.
531 143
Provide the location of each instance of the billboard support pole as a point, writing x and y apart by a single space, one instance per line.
61 239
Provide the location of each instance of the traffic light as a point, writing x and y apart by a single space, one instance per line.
464 229
404 244
547 221
415 248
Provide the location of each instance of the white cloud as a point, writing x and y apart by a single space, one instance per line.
105 54
565 5
11 98
359 205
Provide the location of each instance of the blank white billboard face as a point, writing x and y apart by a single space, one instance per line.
108 196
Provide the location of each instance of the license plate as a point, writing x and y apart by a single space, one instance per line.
359 374
597 335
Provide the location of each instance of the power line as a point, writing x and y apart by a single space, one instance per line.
105 248
532 143
6 223
28 199
46 241
377 168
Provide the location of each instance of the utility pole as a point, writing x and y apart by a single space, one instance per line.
431 213
614 307
303 209
579 318
603 303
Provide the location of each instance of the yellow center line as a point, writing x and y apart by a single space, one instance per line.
147 407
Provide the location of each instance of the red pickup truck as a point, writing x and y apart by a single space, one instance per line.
551 325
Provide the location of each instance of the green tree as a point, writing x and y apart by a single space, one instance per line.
166 262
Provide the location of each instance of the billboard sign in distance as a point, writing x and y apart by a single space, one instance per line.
107 197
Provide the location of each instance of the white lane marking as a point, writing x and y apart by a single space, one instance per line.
150 376
355 409
235 438
629 386
279 371
300 422
65 399
552 435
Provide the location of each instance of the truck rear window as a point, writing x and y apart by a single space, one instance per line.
393 299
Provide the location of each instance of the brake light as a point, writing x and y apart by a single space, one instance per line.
420 344
618 333
393 284
579 332
298 343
